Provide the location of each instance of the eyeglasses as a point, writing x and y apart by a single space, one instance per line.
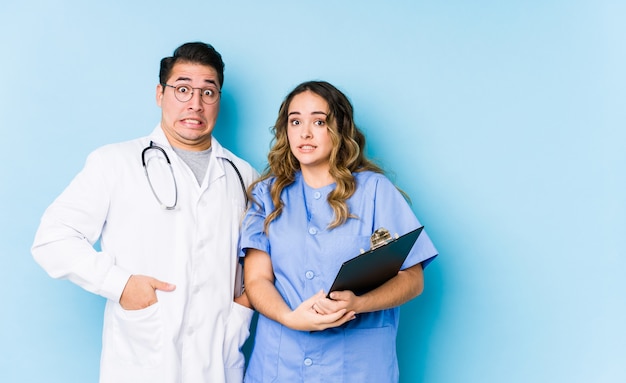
184 93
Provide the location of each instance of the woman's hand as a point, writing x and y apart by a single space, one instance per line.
338 300
306 316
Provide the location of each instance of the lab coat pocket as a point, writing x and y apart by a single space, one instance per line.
139 335
236 333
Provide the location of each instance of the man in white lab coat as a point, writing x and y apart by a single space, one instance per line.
166 209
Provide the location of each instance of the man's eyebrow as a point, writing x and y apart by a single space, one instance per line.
208 81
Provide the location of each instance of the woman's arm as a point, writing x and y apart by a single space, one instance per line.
259 282
408 284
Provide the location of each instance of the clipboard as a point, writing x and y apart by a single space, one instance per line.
374 267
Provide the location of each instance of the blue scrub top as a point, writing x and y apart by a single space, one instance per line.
306 257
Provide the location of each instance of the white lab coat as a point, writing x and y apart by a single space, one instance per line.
193 334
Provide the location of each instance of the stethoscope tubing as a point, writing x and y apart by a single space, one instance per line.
169 163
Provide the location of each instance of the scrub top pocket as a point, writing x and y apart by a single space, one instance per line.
370 355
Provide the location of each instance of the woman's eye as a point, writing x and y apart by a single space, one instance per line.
295 122
320 122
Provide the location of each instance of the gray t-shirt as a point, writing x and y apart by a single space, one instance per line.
198 162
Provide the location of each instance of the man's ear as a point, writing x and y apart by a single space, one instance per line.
159 94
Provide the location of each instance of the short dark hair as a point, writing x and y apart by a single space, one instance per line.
194 53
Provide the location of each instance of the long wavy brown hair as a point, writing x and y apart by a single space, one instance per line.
347 155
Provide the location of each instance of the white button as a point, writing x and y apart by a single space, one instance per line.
308 362
309 274
317 195
312 230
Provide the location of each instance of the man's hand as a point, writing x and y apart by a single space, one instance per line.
140 292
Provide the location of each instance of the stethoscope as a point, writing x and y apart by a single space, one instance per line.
169 164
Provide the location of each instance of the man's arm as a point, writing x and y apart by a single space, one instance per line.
63 244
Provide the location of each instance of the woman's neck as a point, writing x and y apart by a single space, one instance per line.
316 177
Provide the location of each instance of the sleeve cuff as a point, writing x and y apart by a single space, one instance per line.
114 283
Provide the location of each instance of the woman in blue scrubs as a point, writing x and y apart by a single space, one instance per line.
316 206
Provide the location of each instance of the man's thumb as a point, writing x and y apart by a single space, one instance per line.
163 286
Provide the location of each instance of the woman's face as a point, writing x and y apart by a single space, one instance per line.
307 131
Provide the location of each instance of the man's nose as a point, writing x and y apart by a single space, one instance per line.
195 102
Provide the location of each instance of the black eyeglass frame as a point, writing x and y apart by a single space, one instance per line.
177 93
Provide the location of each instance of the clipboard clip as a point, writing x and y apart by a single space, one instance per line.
380 237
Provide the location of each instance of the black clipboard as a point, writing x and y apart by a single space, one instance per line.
371 269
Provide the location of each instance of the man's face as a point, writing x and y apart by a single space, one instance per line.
188 125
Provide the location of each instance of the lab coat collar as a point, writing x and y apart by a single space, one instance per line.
158 137
215 169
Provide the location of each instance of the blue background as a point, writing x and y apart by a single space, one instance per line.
504 121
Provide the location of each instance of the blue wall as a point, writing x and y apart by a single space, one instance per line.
504 121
